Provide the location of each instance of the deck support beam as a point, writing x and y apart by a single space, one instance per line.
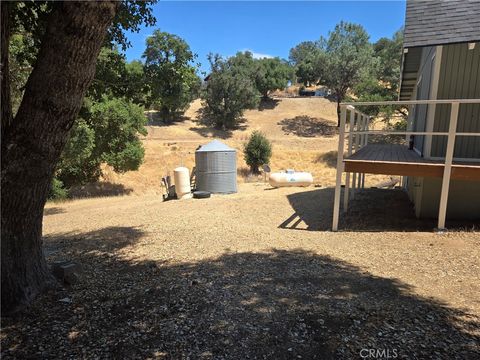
356 176
338 184
442 212
346 192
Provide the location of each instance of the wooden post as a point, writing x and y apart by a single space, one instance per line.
360 145
338 185
346 191
367 128
355 147
367 124
362 127
442 212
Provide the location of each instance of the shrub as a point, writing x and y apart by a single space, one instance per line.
257 151
57 191
107 133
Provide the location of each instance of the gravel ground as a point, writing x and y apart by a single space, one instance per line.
253 275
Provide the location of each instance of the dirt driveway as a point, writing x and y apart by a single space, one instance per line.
251 276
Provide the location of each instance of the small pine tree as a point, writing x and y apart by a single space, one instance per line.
257 151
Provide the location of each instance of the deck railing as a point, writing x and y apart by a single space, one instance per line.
358 137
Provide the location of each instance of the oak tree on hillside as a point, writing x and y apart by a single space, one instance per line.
308 61
348 54
170 73
272 74
70 35
230 90
382 80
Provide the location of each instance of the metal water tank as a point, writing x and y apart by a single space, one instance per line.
216 168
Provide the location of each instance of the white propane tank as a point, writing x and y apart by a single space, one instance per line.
290 178
181 176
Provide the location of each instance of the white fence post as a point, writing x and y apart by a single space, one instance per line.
367 125
338 185
442 212
355 148
367 128
346 191
360 145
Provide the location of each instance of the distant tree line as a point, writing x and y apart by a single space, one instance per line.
346 62
349 64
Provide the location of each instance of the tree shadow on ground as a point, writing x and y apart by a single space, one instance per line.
205 127
98 189
307 126
154 118
273 305
53 211
329 158
211 132
268 104
371 210
104 240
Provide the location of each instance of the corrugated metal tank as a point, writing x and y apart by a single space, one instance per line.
216 168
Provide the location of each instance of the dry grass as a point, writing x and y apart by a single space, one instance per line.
302 131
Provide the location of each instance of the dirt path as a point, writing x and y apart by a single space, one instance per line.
252 275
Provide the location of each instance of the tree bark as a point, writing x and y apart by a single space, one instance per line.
4 68
32 143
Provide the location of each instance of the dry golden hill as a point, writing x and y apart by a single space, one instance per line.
302 130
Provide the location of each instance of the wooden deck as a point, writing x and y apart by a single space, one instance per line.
390 159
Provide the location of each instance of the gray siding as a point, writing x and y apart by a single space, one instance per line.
459 79
423 92
463 199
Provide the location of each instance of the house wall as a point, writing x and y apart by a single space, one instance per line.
459 79
422 93
463 199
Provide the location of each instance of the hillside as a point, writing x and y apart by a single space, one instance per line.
302 130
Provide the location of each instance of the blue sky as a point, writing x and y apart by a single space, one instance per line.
265 28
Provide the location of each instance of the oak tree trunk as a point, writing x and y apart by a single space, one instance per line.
33 141
339 111
4 68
